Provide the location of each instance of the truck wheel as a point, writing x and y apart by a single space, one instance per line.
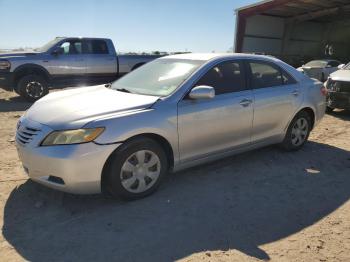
136 169
32 87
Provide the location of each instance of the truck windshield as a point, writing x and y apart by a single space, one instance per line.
47 46
158 78
347 67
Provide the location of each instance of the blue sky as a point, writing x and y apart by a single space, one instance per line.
143 25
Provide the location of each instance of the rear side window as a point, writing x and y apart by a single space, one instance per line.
226 77
265 75
97 47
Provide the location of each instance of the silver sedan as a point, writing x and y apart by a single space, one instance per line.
173 113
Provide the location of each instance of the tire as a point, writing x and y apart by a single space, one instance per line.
32 87
128 177
294 140
329 109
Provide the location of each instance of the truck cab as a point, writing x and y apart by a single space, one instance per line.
64 62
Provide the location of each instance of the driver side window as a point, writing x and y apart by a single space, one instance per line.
227 77
71 48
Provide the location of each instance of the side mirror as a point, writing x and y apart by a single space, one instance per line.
202 92
56 51
341 66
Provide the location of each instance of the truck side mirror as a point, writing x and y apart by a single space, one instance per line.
57 51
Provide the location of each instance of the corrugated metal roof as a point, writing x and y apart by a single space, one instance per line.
318 10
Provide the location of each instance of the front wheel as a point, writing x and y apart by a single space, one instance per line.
136 169
298 132
32 87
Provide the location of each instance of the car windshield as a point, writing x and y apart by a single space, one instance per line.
158 78
48 45
317 63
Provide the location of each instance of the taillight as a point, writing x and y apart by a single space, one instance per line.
324 91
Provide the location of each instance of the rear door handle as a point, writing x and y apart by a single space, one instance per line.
245 102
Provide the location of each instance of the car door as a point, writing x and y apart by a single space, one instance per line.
100 60
276 98
214 125
69 62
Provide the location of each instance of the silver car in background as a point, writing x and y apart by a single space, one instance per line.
173 113
320 69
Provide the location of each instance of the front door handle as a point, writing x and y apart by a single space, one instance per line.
295 93
245 102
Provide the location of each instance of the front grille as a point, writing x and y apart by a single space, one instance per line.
338 86
25 135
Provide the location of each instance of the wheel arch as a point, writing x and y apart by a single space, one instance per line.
27 69
311 113
162 141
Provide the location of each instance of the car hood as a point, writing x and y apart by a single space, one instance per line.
76 107
17 54
341 75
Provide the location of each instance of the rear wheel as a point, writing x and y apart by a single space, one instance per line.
32 87
298 132
136 169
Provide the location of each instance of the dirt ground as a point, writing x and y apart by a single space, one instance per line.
261 205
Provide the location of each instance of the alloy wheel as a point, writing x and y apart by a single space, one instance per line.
300 131
34 89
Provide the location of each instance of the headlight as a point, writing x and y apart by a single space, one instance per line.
68 137
5 65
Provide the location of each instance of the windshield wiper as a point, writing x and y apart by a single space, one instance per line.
123 90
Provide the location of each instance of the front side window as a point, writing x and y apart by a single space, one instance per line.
226 77
71 48
160 77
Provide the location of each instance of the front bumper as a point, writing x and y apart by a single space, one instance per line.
340 100
74 169
6 80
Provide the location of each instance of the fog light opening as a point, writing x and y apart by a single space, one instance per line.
56 180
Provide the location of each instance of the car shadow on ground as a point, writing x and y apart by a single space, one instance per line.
342 114
241 203
16 103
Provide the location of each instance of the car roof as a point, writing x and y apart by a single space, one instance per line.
210 56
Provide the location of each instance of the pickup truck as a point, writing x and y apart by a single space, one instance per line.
63 62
